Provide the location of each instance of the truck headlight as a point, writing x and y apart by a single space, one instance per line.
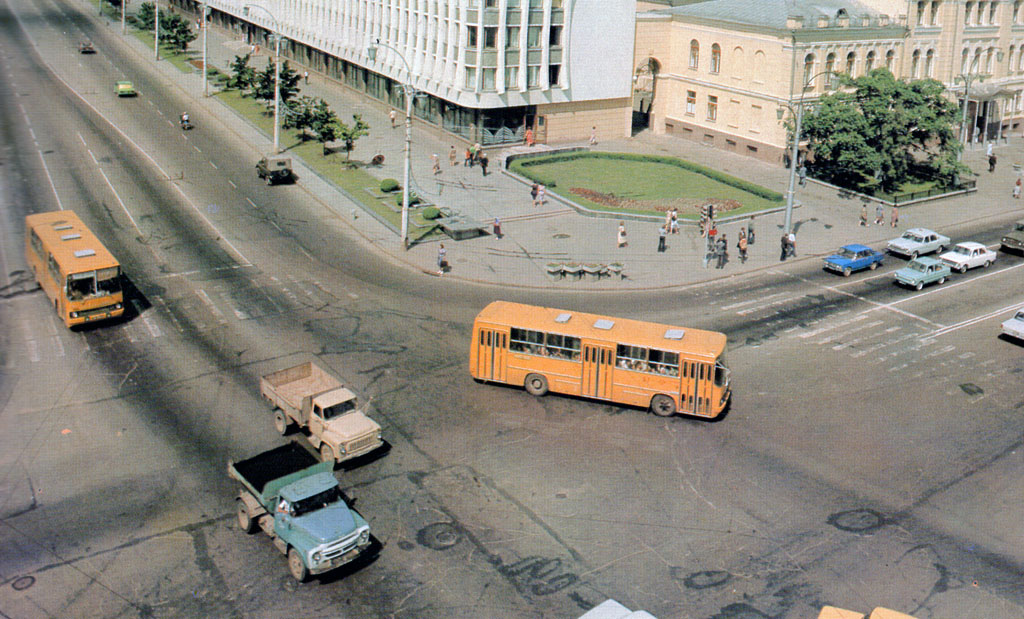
364 537
342 450
316 557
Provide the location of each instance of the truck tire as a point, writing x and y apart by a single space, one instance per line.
536 385
281 421
269 180
326 453
245 519
296 566
663 406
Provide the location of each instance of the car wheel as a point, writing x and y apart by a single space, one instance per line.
987 264
962 269
913 255
846 272
536 385
918 286
942 280
245 519
874 265
942 248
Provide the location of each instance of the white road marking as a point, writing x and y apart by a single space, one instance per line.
32 132
232 184
213 308
248 200
174 318
53 187
742 303
214 165
971 321
154 330
33 351
59 345
197 148
829 327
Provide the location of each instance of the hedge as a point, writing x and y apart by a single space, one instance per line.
413 199
521 165
389 184
431 212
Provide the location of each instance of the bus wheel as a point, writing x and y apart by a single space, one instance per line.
663 406
536 385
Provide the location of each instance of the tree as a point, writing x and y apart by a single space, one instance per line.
349 134
243 77
145 18
300 115
880 131
177 31
288 79
325 123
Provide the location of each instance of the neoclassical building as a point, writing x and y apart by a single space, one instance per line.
486 70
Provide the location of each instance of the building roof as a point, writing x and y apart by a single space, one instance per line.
772 14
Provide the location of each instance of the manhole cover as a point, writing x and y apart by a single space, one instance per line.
561 235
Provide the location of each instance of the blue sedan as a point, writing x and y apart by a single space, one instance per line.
852 258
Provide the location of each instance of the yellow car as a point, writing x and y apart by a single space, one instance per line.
125 89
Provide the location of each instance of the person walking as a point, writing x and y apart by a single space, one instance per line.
895 220
593 136
453 156
791 244
442 260
541 195
1016 188
534 192
879 214
802 173
497 227
750 230
305 77
992 163
741 245
661 238
785 247
864 214
393 115
988 149
437 163
620 236
483 163
468 160
529 137
721 252
673 224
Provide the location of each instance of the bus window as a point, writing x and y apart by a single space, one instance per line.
721 372
108 281
81 285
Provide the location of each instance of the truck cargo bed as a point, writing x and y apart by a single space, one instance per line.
295 383
274 464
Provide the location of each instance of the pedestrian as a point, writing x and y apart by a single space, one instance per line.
442 259
668 219
437 163
879 214
662 231
529 137
750 230
791 243
802 172
896 214
534 192
593 136
785 247
741 245
721 252
468 161
992 163
863 214
305 77
620 236
497 227
1016 188
483 163
393 115
988 149
541 195
673 226
453 156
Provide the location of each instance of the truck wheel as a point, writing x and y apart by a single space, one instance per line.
326 453
536 385
280 421
245 521
270 181
296 566
663 406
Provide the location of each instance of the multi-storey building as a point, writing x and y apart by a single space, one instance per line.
485 70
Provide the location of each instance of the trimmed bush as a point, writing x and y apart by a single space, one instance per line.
431 212
389 184
413 199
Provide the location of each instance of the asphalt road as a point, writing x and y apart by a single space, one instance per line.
872 455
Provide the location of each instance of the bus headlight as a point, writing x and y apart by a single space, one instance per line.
74 314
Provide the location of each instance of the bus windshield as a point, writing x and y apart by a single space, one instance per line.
93 284
722 372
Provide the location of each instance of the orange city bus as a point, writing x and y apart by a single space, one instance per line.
669 369
81 278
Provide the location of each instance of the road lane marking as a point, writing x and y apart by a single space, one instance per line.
106 179
970 321
154 330
232 184
201 293
46 168
167 309
195 147
59 345
33 351
742 303
214 165
248 199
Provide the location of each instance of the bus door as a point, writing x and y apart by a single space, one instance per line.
490 355
703 388
598 362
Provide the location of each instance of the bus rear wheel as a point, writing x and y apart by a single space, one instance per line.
536 385
663 406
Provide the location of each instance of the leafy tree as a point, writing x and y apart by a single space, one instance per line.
177 31
243 77
300 115
146 17
878 130
288 78
325 123
350 133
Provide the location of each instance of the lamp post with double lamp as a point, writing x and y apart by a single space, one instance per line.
276 34
410 91
967 78
156 30
795 147
202 24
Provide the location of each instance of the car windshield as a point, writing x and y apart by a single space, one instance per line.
317 501
1019 228
960 249
847 253
339 409
1020 315
913 237
917 266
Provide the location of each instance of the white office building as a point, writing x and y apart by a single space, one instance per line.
489 69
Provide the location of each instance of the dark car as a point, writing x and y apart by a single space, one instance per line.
1013 239
275 168
852 258
85 47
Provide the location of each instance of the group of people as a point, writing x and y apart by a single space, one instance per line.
539 194
894 219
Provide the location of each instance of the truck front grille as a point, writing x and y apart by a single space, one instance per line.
339 548
363 445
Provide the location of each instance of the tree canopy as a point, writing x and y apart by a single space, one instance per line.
880 131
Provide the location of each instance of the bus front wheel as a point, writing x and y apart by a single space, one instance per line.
663 406
536 385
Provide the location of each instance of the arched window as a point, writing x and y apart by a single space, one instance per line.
1020 61
934 21
963 61
1016 12
990 57
851 63
716 58
869 62
830 67
979 17
915 64
1009 60
890 58
808 69
694 54
992 7
968 9
738 69
929 63
921 4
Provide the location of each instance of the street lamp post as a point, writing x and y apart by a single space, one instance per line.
156 30
410 91
123 5
277 71
202 23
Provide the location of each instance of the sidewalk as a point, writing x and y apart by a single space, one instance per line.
533 237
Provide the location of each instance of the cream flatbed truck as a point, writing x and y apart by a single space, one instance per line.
296 500
310 397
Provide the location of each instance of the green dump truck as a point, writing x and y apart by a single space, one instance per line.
296 500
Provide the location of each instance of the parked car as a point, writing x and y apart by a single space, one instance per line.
918 242
922 271
1014 327
124 88
968 256
274 168
85 47
852 258
1013 240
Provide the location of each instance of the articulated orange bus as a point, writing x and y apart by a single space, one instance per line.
81 278
668 369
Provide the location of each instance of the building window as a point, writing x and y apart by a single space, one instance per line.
712 107
694 54
851 63
935 13
555 36
716 58
490 4
929 63
533 76
915 64
869 62
808 70
511 77
968 9
1016 13
1009 60
471 36
830 67
890 58
990 57
691 102
490 37
471 77
963 61
533 36
920 12
1020 62
488 77
554 73
512 37
992 12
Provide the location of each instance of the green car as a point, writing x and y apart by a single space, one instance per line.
921 271
124 89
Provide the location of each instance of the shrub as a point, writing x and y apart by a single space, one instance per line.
431 212
413 199
389 184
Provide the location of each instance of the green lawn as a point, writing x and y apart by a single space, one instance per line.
643 180
361 185
175 57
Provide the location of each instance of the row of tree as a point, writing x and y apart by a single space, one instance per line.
175 30
312 117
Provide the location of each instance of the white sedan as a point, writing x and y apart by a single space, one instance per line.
1014 327
967 256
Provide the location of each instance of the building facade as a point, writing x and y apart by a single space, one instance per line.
485 70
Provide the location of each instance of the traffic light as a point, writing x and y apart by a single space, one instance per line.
711 211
